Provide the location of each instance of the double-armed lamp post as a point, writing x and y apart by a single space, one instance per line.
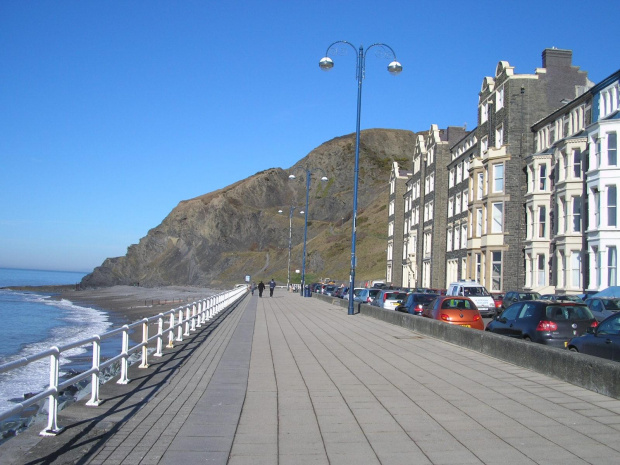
308 178
394 68
290 243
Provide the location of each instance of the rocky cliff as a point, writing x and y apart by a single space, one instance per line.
218 238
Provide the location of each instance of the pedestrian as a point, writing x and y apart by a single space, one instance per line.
253 286
261 288
272 286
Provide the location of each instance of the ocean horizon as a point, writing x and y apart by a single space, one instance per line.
34 322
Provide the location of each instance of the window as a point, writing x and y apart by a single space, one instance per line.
478 267
484 144
612 264
459 173
499 136
498 218
498 177
612 149
577 164
464 236
450 207
480 191
391 229
478 222
542 221
541 270
451 178
457 237
465 205
499 100
484 112
496 272
577 214
457 204
575 266
542 174
449 240
611 206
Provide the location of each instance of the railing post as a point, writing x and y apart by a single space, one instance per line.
180 326
193 321
145 341
52 428
160 336
125 355
199 314
171 330
187 310
94 383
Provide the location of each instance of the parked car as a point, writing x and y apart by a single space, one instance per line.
456 310
498 299
388 299
603 307
367 295
477 293
416 302
514 296
601 341
330 289
551 322
341 291
356 294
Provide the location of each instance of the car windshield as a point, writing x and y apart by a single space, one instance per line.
529 295
373 292
611 304
475 291
568 313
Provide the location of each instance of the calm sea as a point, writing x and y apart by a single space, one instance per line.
33 322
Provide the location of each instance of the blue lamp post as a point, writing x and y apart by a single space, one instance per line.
290 243
303 266
394 68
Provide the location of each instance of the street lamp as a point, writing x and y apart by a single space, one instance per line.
303 266
290 238
394 68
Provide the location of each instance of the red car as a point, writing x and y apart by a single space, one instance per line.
456 310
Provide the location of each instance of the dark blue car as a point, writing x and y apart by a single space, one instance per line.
602 341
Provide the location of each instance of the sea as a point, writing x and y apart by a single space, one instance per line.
33 322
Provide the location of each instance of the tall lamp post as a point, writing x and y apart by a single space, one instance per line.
303 266
290 242
394 68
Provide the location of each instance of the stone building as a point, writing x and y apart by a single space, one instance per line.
426 201
509 104
396 224
457 213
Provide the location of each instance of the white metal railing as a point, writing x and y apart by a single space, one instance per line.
182 321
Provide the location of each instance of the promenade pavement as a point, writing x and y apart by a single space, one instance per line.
292 380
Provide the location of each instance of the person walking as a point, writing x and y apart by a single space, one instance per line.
272 286
253 286
261 288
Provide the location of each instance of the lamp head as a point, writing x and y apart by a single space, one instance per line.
395 68
324 178
291 176
326 63
280 211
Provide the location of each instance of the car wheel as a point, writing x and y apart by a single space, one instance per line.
527 339
573 349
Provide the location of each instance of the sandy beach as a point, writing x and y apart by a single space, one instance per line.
132 303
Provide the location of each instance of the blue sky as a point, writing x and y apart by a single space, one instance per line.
114 112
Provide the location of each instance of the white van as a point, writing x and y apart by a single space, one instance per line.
476 292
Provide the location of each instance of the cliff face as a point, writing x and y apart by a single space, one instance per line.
218 238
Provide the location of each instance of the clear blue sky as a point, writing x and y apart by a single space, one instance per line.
111 113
